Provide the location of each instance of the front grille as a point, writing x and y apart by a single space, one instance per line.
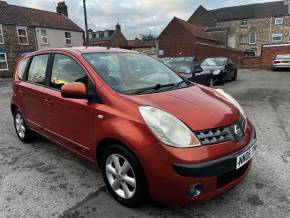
231 176
223 134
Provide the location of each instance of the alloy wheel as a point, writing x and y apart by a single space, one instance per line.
120 176
20 126
211 83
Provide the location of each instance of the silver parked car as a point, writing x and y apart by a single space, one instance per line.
281 61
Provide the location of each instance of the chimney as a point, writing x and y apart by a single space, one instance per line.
118 27
62 8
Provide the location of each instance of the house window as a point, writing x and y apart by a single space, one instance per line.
1 35
277 38
243 39
252 38
68 38
22 35
44 39
279 21
244 23
3 62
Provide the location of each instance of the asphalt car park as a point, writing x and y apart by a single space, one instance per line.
43 180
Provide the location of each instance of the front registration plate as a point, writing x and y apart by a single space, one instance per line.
245 157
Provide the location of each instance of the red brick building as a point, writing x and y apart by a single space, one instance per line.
181 38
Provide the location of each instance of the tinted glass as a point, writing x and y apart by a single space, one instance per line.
21 68
37 69
214 62
126 72
65 70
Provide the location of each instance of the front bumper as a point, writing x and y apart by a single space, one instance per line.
171 171
216 167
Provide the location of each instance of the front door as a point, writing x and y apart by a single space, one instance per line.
69 121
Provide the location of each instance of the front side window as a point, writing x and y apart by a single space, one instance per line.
44 39
252 38
279 21
37 69
277 38
3 62
65 70
131 72
181 66
21 68
1 35
68 38
22 35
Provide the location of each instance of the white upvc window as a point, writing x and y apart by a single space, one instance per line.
244 23
252 38
279 21
44 39
1 35
22 35
244 39
68 38
277 37
3 62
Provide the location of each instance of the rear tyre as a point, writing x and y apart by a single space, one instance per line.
273 69
124 176
23 132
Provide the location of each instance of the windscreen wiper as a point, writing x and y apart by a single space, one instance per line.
156 87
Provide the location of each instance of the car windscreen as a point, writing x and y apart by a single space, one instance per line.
214 62
128 72
181 66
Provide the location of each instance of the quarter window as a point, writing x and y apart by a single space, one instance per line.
37 69
68 38
44 39
252 38
279 21
21 68
3 62
276 38
22 35
1 35
65 70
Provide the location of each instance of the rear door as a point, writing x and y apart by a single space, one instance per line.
69 121
31 91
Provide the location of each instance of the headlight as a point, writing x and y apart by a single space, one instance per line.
216 72
233 101
167 128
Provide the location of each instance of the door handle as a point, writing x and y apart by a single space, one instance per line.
21 92
48 101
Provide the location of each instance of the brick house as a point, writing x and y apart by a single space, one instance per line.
247 27
181 38
108 38
24 30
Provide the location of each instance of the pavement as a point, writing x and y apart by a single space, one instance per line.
44 180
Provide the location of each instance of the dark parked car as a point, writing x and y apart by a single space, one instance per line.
281 62
190 69
223 69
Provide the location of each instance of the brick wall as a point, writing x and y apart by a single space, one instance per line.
269 52
12 47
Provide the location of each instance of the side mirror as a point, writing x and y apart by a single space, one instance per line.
75 90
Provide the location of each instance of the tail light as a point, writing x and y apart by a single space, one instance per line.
277 62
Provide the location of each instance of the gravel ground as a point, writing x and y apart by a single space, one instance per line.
44 180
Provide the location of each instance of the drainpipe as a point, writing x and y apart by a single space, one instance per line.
270 30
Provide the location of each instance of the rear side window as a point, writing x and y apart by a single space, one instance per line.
37 69
21 68
65 70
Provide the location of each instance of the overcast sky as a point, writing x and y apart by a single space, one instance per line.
135 16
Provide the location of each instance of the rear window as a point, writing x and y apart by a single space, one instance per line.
282 57
21 68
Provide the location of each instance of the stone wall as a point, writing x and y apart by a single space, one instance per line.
264 28
12 47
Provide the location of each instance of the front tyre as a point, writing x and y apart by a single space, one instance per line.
124 176
22 131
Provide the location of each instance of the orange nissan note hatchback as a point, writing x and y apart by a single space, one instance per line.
152 133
